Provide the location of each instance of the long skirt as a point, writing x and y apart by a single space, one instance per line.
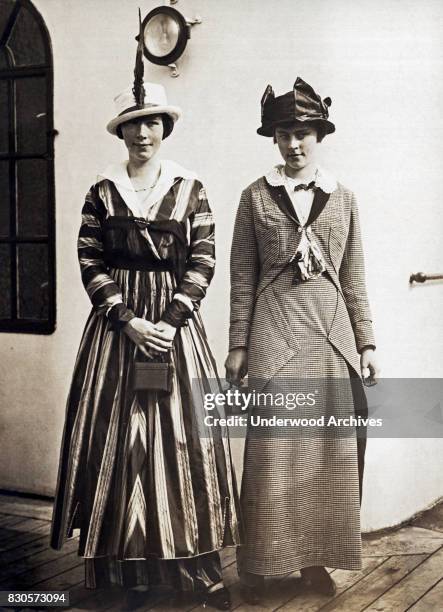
301 484
140 475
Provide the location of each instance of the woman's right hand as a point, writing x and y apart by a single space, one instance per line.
147 337
236 365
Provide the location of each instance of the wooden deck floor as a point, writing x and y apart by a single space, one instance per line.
402 570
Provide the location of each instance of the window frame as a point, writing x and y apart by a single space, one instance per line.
10 75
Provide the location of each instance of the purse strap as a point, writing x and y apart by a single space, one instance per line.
159 358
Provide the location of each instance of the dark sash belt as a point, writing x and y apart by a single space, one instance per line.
140 265
116 245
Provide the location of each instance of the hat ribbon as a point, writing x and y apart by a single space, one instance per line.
137 108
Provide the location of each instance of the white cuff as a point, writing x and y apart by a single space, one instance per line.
185 299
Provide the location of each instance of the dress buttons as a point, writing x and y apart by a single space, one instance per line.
299 229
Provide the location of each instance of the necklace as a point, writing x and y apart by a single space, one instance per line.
147 187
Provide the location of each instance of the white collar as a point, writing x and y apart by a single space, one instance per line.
323 179
170 172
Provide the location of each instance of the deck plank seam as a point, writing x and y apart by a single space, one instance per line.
33 568
408 573
424 594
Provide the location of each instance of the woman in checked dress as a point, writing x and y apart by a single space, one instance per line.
300 322
152 492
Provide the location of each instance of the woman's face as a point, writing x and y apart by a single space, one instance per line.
143 137
297 144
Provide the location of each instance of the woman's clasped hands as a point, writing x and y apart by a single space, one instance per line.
151 338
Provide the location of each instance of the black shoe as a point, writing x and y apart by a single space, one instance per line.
251 595
219 599
317 579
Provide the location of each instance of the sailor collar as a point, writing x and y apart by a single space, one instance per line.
170 172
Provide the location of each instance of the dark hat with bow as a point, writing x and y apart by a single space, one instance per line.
301 104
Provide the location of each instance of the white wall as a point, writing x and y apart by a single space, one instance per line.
381 63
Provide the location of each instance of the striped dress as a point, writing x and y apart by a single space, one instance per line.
139 475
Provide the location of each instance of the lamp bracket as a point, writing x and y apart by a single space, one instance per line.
193 21
190 22
174 70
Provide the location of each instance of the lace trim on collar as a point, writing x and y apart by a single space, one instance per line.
323 179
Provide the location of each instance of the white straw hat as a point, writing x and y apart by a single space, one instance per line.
155 103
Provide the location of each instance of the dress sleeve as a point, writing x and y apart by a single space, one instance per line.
102 290
353 283
245 268
200 264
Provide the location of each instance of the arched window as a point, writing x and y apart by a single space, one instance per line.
27 232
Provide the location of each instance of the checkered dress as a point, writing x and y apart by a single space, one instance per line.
300 491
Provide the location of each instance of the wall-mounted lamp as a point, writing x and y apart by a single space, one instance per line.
165 35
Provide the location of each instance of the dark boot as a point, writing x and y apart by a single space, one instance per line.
316 578
220 599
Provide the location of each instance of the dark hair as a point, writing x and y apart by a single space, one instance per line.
318 126
168 126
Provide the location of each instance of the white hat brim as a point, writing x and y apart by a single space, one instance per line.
173 111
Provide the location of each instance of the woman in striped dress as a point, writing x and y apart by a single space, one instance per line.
299 320
150 488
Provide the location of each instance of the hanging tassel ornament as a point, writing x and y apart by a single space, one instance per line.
138 90
308 258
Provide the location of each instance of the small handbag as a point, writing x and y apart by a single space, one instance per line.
155 375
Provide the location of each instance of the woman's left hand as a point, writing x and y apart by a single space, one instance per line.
369 366
167 331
